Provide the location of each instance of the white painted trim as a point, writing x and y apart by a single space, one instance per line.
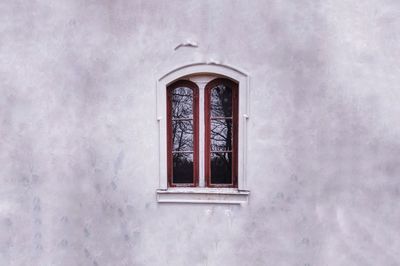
202 195
204 68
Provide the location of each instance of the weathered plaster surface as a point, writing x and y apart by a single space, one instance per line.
79 139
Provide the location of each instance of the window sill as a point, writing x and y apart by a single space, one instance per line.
203 195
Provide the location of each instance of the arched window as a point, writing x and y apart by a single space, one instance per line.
220 127
182 134
202 112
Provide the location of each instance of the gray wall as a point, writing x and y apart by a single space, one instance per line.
79 139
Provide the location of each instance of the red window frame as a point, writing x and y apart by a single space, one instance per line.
235 131
195 89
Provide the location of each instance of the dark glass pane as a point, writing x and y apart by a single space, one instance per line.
221 168
183 168
221 134
182 135
221 101
182 102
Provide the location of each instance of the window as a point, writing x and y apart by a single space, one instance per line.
220 128
202 114
221 102
182 134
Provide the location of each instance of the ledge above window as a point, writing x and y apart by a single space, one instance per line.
202 195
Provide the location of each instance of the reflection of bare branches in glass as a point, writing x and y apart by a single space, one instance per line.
182 119
221 134
182 134
221 118
182 103
221 101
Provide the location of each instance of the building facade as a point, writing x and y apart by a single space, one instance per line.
84 121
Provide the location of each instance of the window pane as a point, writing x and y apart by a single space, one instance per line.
221 101
182 135
182 102
221 134
183 168
221 168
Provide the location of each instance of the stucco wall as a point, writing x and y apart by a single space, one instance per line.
79 138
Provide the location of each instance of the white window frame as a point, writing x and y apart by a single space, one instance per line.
203 194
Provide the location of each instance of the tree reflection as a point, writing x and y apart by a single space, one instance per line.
182 119
221 101
221 134
221 118
182 134
182 103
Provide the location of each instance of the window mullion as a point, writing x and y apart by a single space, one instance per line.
201 135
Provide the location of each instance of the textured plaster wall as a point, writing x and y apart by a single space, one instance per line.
79 139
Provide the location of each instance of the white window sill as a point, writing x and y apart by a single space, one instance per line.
203 195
